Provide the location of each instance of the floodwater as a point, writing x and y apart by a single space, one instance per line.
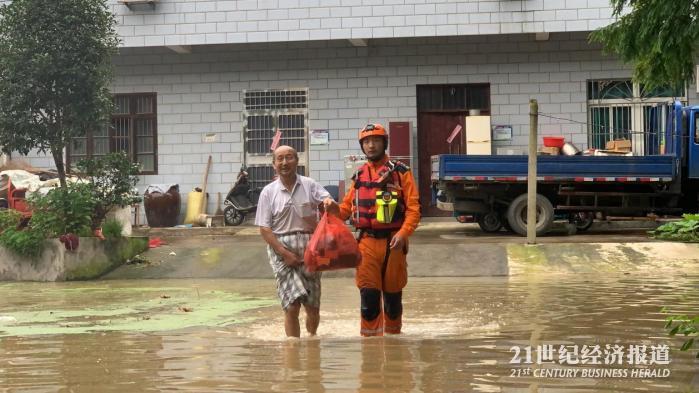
460 335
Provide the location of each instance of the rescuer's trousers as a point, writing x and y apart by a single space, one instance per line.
381 277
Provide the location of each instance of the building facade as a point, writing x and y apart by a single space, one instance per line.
219 78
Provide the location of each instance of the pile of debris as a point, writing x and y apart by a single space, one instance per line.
20 165
18 179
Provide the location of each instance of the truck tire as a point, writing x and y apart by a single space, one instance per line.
506 224
583 220
517 215
489 222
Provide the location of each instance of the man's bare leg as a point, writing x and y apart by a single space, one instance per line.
312 319
291 320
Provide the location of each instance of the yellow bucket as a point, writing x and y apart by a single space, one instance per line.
195 199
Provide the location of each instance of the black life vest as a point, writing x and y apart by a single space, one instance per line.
366 185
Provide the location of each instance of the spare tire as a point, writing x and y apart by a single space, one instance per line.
517 215
489 222
583 220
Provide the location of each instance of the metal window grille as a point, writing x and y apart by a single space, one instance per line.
260 133
293 130
269 111
620 109
261 130
276 99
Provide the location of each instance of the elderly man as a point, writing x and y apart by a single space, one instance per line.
287 216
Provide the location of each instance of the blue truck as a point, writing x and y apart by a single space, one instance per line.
493 189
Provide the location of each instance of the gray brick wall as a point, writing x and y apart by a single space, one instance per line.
200 93
184 22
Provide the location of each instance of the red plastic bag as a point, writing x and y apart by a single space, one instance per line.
331 247
155 242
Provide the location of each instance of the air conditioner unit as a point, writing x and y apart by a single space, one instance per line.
135 3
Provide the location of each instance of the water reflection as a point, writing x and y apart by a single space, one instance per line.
458 336
301 367
386 365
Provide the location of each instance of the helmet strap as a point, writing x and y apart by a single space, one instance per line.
379 158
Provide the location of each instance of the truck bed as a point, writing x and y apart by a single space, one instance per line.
456 167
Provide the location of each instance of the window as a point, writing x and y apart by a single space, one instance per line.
269 111
133 129
261 130
621 109
459 98
276 99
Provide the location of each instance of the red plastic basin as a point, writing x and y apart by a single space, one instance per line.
554 141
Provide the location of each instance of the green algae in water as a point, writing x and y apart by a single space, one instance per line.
527 254
129 309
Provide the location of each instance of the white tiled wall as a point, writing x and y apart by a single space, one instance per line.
186 22
201 92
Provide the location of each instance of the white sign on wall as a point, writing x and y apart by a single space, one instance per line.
502 133
320 137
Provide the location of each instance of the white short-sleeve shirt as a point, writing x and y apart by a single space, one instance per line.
287 211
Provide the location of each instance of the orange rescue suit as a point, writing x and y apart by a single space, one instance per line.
383 272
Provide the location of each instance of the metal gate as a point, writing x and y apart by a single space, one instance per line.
620 109
269 111
642 123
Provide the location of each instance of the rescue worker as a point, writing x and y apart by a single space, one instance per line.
383 205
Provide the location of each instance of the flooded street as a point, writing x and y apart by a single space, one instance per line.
227 335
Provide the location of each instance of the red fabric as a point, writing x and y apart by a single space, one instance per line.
331 247
70 241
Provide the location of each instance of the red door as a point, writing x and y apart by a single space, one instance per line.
399 144
433 131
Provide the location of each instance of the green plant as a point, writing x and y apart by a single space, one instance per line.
23 242
63 210
684 325
111 228
111 181
686 230
9 219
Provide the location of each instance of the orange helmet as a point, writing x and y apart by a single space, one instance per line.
371 130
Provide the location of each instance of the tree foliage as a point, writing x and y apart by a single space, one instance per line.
55 72
659 37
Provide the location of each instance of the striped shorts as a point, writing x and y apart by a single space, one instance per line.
294 283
